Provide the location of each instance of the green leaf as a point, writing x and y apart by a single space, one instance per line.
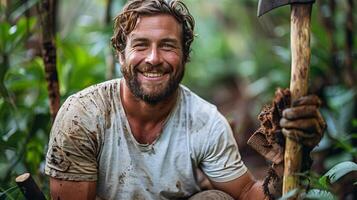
354 136
22 8
319 194
340 170
7 192
354 122
346 145
323 181
4 37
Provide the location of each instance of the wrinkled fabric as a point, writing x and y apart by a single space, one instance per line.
91 140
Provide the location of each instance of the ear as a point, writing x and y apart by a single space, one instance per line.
121 58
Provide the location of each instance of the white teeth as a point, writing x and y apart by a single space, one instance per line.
152 75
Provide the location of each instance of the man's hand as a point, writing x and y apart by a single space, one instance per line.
299 120
303 122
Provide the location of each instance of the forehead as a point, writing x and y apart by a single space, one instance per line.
157 26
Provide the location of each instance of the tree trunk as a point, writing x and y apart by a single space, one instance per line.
110 58
49 54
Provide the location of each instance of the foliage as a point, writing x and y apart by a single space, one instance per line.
232 46
322 186
338 171
23 108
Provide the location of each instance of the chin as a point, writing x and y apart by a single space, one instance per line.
156 95
152 93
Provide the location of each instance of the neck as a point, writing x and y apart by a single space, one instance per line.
142 111
146 120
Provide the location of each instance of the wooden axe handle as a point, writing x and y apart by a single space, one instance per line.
300 61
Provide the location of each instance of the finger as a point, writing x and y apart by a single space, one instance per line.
311 142
322 122
301 112
308 125
307 139
307 100
296 134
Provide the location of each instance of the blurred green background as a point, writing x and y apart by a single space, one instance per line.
238 60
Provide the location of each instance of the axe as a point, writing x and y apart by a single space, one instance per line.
300 60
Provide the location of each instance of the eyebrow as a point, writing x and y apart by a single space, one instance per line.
140 40
143 39
170 40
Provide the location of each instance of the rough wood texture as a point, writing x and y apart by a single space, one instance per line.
29 187
300 60
49 54
109 55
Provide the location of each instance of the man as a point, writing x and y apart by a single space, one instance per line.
144 136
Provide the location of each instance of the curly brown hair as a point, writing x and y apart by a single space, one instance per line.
125 21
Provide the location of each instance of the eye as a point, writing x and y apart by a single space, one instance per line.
168 46
140 46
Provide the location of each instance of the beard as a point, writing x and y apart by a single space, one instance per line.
161 93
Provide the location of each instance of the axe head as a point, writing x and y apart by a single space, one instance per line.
265 6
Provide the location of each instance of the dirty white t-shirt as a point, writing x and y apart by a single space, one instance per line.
91 140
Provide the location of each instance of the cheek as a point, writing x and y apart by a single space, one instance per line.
174 59
134 58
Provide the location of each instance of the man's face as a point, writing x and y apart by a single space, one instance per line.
152 61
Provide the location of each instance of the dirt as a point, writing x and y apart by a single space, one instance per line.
269 126
271 114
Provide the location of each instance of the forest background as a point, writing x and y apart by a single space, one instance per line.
238 61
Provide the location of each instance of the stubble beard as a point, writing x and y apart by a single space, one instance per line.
131 78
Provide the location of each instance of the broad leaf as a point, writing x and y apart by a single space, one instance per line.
340 170
319 194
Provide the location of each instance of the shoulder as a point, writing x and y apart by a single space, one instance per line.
201 113
94 97
209 133
88 105
104 88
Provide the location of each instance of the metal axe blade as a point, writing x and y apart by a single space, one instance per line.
265 6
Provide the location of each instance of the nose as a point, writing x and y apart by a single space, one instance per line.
153 57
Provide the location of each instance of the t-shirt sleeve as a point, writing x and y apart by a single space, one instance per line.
74 143
222 161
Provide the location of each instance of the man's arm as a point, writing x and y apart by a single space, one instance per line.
71 158
69 190
244 187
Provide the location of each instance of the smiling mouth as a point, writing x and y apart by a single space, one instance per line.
152 74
